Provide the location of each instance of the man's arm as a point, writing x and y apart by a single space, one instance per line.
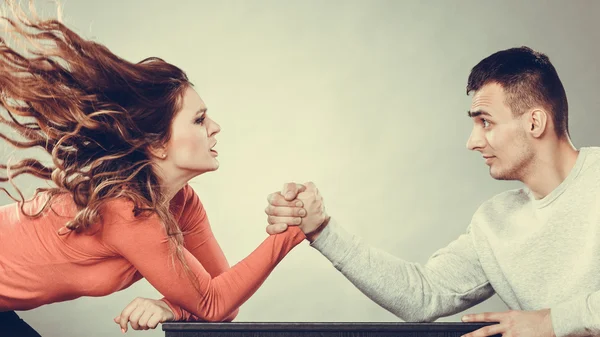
578 317
451 281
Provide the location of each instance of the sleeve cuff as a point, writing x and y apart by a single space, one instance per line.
177 311
335 243
569 318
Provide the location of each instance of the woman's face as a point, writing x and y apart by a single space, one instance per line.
190 148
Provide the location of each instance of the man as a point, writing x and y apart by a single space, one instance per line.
537 247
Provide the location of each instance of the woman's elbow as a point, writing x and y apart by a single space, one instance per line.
221 317
232 316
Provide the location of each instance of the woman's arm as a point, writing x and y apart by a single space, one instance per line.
143 242
202 244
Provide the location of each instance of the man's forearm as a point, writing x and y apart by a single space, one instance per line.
451 281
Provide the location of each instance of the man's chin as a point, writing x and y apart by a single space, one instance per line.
496 175
500 175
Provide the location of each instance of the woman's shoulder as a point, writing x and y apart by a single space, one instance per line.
188 209
124 210
185 204
187 199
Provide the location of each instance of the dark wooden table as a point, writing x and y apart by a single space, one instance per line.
298 329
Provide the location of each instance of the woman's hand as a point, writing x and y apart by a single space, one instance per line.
143 314
297 205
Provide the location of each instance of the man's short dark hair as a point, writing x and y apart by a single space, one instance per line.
528 79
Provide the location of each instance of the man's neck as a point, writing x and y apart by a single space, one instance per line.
552 165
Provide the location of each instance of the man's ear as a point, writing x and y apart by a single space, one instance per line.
537 122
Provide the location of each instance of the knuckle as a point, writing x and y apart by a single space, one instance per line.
288 187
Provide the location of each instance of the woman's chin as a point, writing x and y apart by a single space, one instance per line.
206 169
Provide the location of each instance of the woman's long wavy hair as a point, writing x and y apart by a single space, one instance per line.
96 114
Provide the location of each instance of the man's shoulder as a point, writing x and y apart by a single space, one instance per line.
592 150
503 204
592 157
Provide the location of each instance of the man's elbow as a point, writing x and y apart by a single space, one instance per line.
417 317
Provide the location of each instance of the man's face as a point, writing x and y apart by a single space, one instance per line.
501 137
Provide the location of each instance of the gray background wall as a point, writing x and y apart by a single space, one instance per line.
365 98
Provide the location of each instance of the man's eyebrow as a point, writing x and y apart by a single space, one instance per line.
474 114
201 111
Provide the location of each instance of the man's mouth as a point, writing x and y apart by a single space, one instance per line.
488 159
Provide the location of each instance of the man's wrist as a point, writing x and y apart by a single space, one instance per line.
312 236
548 316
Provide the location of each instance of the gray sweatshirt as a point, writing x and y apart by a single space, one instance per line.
534 254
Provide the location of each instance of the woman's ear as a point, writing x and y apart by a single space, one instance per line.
158 152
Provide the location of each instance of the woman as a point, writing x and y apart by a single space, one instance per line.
124 140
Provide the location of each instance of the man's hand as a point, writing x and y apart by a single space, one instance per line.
297 205
144 314
513 323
